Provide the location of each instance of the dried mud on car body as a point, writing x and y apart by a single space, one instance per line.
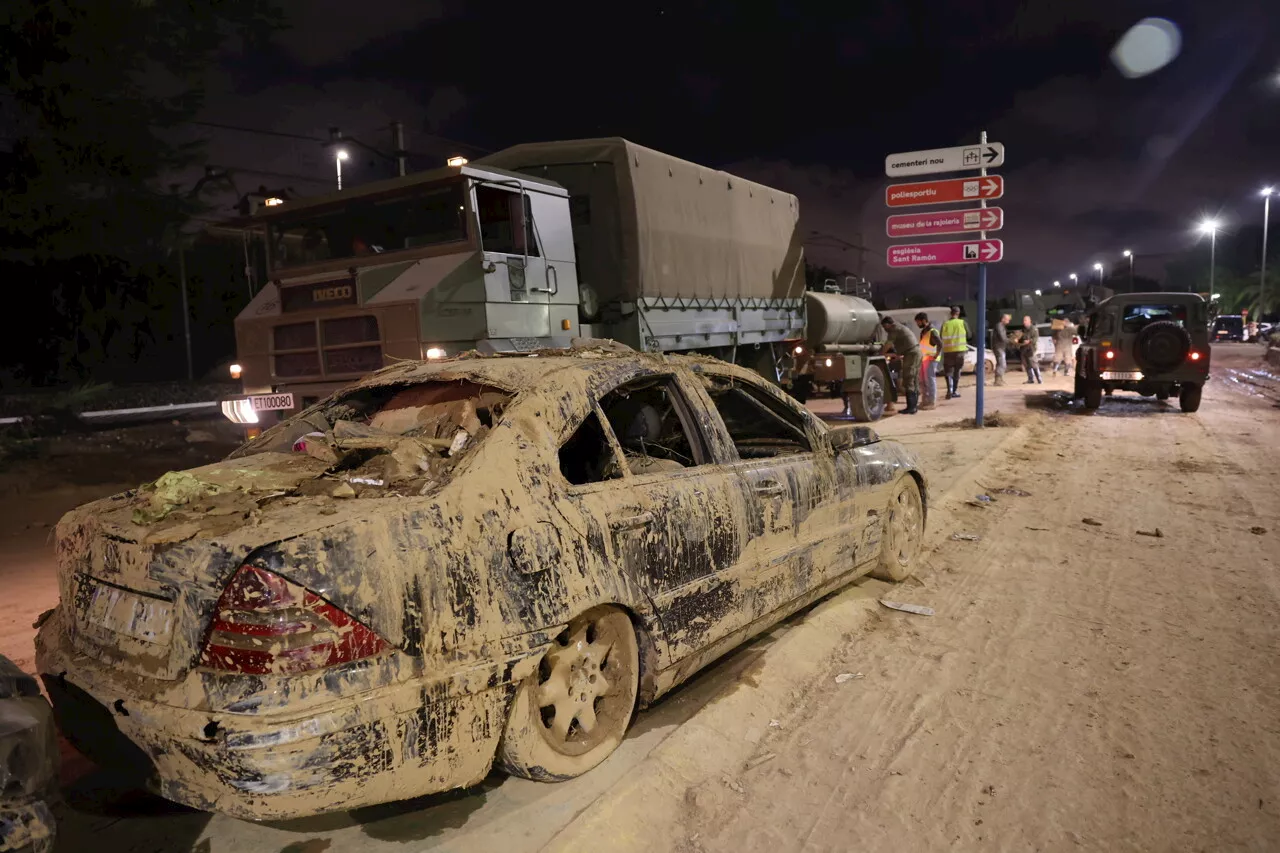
468 572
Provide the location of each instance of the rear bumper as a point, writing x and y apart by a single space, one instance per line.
396 742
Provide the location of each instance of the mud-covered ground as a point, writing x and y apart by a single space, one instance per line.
1081 686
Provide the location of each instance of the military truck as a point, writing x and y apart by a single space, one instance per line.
1156 344
527 249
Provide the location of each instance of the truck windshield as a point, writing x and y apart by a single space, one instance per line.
425 216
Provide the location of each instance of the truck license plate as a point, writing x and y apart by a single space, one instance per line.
1122 374
271 402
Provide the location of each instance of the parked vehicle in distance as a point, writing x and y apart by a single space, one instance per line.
1228 327
1154 343
28 764
455 564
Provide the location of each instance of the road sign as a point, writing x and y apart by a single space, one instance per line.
944 222
944 254
958 159
982 188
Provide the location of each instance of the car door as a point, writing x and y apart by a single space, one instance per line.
671 518
806 522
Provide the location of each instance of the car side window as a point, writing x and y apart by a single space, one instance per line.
648 417
759 426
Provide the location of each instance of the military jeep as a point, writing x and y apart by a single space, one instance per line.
1156 344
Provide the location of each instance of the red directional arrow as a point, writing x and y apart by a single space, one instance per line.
944 254
944 192
944 222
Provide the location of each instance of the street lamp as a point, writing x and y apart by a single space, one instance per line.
1129 255
338 156
1262 276
1075 279
1057 284
1098 267
1038 293
1210 227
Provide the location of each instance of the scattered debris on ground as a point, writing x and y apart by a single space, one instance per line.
918 609
847 676
1257 531
965 537
1157 533
1092 522
990 419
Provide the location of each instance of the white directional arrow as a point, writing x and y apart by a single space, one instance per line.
989 218
989 251
989 187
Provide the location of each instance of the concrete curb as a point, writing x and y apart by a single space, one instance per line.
643 811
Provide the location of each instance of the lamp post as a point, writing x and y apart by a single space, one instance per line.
1210 227
1098 267
1262 276
1129 255
338 156
1075 279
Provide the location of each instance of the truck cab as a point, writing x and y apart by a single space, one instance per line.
419 267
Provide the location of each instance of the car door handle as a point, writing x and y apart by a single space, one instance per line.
769 488
631 522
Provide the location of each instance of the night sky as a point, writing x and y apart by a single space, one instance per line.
807 97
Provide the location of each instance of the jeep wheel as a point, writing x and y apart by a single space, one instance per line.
1189 398
1092 395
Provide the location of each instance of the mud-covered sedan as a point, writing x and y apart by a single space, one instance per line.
452 564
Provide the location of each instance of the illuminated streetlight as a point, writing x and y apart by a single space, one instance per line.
338 156
1210 227
1262 276
1098 267
1038 293
1057 284
1129 255
1074 278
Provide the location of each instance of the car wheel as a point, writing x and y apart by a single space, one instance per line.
868 405
1092 395
1189 397
572 713
903 533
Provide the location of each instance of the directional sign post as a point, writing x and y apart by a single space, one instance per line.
945 254
959 159
949 191
944 222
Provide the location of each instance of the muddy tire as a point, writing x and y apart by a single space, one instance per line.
903 533
1189 397
1092 395
574 710
868 404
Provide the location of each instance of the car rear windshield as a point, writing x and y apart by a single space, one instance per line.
429 423
1138 316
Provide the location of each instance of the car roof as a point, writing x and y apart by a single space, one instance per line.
1155 296
517 371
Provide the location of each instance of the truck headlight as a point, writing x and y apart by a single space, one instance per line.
434 353
236 370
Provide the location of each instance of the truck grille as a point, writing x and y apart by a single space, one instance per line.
327 348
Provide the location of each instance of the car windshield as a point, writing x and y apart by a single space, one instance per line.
1138 316
425 216
391 434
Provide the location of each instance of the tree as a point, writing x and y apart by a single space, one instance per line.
100 87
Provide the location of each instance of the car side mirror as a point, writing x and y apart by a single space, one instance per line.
849 437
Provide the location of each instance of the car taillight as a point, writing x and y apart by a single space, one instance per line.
1194 356
265 624
1110 354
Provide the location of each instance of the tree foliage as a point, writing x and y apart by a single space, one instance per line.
100 87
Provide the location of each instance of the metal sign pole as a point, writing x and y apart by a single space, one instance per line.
980 368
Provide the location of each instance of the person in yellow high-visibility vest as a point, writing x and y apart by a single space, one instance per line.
955 340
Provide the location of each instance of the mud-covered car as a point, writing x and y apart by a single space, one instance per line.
451 564
28 763
1156 344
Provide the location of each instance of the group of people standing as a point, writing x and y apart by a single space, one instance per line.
919 354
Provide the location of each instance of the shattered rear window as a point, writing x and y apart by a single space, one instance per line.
391 434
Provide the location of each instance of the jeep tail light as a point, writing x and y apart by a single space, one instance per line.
1194 356
1109 354
265 624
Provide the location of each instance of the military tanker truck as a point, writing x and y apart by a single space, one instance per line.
528 249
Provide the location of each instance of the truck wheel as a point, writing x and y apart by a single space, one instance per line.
1189 397
868 404
1092 395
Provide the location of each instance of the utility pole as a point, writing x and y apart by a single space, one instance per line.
1262 276
398 148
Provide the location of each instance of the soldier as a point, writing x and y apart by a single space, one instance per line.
1062 353
1028 350
902 342
1000 345
930 347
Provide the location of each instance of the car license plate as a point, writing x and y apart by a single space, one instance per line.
1122 374
271 402
121 611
